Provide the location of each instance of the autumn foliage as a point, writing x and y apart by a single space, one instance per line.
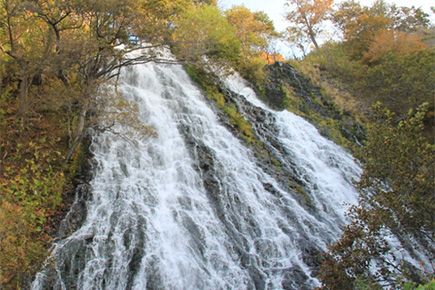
396 197
382 58
32 183
306 18
272 58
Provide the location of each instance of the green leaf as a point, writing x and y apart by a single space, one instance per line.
37 182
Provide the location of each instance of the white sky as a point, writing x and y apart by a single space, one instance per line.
276 9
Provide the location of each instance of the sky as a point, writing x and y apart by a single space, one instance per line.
276 9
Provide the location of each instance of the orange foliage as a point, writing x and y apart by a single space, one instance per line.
272 58
306 17
397 42
254 29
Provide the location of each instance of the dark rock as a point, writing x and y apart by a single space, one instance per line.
295 279
77 213
312 257
312 101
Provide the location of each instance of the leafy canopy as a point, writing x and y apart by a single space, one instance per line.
306 18
396 197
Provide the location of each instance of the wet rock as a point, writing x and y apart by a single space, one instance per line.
258 279
312 257
77 213
65 277
312 102
295 279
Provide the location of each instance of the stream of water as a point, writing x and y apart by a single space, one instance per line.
191 209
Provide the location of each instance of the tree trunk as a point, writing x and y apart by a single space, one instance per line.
24 86
311 32
78 132
73 148
313 38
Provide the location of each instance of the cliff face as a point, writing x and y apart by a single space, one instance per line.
285 88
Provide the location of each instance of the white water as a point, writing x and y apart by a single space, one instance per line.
154 223
325 168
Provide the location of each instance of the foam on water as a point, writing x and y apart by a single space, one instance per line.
153 222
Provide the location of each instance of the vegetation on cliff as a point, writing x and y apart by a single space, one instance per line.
396 197
381 59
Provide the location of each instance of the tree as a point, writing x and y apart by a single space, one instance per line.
25 44
360 25
401 82
378 60
204 31
159 17
398 43
396 197
84 42
58 65
255 31
408 18
97 48
307 18
398 172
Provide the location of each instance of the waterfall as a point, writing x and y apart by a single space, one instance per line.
324 168
191 208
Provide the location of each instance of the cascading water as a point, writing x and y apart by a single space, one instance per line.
324 168
191 208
